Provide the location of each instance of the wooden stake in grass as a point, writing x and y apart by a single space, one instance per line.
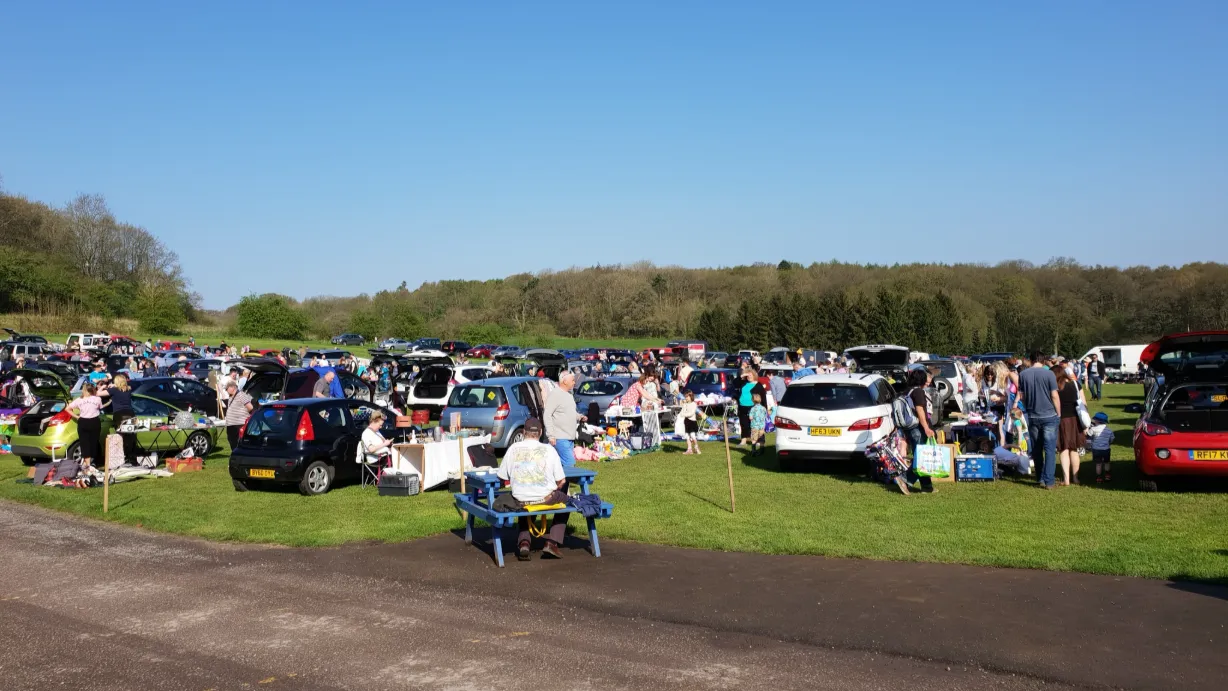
460 445
733 507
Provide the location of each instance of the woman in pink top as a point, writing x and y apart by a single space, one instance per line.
89 422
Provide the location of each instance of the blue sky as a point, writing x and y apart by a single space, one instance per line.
337 148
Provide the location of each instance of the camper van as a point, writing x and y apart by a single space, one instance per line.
1119 358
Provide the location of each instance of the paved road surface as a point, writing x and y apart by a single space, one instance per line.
85 605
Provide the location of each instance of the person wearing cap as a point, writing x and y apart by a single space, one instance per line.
536 476
1100 442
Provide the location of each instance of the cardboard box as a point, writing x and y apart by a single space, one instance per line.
185 465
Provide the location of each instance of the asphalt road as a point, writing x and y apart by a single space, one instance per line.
86 605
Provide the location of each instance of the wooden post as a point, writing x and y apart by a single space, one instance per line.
733 507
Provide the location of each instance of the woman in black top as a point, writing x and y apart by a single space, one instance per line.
1069 435
120 396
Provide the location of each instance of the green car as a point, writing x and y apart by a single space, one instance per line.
47 428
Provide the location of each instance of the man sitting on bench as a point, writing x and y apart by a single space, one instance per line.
536 475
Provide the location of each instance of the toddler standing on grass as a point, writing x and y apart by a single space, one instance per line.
1100 442
758 425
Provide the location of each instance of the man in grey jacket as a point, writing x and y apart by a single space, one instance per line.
562 419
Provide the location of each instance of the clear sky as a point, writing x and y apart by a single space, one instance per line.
335 148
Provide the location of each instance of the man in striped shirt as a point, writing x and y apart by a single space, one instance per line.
236 413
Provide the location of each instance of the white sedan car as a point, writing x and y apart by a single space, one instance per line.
832 416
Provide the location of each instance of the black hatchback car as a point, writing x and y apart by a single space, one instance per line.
309 442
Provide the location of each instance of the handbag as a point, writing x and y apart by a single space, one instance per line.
933 460
1085 419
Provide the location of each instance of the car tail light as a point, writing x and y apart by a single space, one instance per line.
306 431
866 425
452 382
502 412
59 418
959 386
1151 429
786 423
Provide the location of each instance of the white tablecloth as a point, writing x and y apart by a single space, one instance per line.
433 461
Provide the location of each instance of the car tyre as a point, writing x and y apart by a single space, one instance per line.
317 479
516 437
74 451
241 485
199 443
1148 483
29 460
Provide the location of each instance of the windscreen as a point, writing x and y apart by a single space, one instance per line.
273 422
1111 357
704 379
947 368
826 397
476 397
600 388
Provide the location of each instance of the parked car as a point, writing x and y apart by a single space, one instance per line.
426 344
66 371
499 406
348 339
394 344
720 381
25 338
716 357
1183 425
199 369
85 341
269 380
21 388
832 416
949 383
332 355
601 391
180 392
481 351
454 347
48 427
11 350
888 361
689 350
431 389
309 442
504 350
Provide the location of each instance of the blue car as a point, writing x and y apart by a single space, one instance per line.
720 381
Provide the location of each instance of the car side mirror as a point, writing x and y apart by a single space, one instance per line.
1134 409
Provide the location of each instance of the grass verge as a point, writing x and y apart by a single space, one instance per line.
669 498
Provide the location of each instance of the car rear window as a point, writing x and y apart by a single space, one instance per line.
273 422
475 373
826 397
476 397
600 388
704 379
947 368
1197 408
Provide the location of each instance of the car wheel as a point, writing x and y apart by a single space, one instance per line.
74 451
200 444
317 479
1147 483
241 485
516 438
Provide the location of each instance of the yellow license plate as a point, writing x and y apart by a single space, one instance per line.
826 431
1209 455
1219 398
260 472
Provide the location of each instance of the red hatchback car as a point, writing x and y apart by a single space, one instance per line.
1183 428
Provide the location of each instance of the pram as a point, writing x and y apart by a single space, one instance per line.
886 461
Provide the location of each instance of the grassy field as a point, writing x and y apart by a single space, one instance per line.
669 498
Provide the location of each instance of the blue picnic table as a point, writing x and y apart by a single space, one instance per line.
482 486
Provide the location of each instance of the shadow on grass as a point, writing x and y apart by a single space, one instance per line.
708 501
851 469
121 505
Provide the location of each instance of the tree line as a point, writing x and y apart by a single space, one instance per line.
78 259
1015 306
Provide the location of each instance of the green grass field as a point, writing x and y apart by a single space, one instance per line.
669 498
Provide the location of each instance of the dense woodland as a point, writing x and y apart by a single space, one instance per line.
79 260
1014 306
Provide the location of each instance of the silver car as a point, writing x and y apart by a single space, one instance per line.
499 406
601 391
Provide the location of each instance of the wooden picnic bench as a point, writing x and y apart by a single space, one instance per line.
484 485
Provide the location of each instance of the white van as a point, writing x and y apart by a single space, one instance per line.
1118 358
